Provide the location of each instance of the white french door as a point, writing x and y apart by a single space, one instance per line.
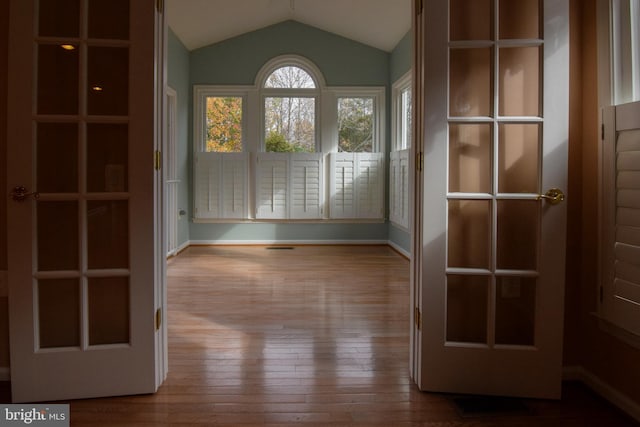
490 229
81 228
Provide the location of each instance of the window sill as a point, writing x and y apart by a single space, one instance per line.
289 221
618 332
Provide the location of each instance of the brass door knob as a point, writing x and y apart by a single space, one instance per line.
20 194
553 196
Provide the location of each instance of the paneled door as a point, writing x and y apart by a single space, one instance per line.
81 179
492 211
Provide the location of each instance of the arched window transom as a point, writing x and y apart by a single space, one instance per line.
290 77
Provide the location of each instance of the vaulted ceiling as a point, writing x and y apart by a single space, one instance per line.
377 23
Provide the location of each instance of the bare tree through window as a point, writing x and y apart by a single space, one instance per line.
290 120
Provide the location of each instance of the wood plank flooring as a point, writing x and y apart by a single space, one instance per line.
314 335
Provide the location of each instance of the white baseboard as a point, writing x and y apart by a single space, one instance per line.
400 250
287 242
621 400
5 373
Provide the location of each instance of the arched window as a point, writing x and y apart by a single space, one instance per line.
290 77
290 104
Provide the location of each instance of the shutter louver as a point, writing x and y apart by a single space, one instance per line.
369 185
394 187
207 185
356 185
221 185
343 171
234 188
627 242
399 188
306 186
272 175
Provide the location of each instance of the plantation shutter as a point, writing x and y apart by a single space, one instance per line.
369 188
627 247
234 185
208 182
357 189
399 188
621 299
342 184
221 185
306 186
272 176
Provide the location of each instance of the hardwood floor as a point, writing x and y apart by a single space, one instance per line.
313 335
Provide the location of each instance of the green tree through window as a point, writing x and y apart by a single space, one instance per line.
355 125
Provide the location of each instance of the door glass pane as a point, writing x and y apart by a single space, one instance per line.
519 81
57 236
471 19
59 18
515 310
109 19
59 313
107 157
469 238
57 80
518 234
57 158
108 79
108 310
519 158
470 82
520 19
470 158
108 234
467 302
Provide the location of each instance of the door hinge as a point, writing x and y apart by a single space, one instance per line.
602 131
157 160
419 6
419 161
417 318
158 318
160 6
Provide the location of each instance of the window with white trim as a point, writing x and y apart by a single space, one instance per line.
221 158
401 121
399 157
619 301
290 97
274 151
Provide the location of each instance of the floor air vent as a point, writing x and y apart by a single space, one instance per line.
280 248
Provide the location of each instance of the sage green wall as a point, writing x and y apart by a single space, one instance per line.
401 57
178 79
343 62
